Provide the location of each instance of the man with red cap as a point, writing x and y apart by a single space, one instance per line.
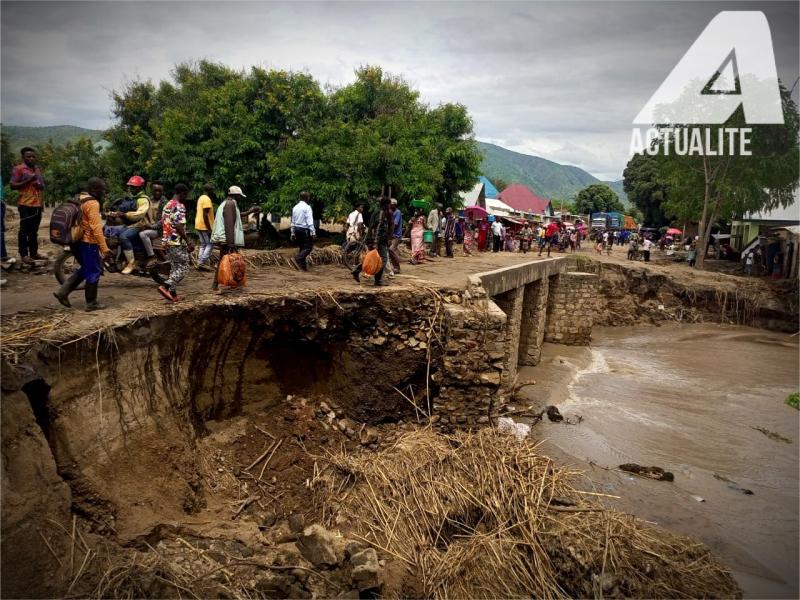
144 217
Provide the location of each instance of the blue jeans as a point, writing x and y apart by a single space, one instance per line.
90 261
127 237
205 246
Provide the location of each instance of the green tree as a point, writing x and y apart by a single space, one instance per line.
7 158
647 189
275 133
66 168
597 197
564 205
707 188
7 161
377 138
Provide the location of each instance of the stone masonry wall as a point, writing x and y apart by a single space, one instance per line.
472 366
511 303
571 307
534 318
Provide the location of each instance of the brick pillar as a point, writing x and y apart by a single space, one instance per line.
510 302
534 317
571 305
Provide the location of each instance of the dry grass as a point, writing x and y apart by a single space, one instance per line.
481 515
326 255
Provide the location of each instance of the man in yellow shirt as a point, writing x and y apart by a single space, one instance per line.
204 225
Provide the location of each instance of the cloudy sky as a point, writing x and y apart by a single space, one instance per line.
560 80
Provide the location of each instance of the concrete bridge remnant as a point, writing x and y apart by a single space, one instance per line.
506 316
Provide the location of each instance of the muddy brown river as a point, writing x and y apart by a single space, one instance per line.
705 402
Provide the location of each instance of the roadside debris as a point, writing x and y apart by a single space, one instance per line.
733 485
656 473
775 437
518 430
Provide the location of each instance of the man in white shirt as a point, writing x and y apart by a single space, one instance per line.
355 223
434 224
647 245
303 231
497 235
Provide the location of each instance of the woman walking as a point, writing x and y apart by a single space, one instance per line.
417 237
469 235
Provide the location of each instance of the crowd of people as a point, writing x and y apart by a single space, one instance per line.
442 230
140 218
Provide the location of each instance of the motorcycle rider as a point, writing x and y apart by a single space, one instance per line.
149 234
89 250
142 218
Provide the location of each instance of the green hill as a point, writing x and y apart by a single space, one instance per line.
19 136
547 178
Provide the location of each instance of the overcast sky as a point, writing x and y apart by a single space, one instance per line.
559 80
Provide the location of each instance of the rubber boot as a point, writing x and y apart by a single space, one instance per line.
131 262
91 298
62 295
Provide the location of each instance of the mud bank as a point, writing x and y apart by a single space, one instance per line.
111 427
630 295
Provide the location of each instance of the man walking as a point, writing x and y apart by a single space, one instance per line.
378 237
396 238
449 232
177 244
89 250
647 246
27 179
434 224
204 225
355 223
303 231
497 235
228 232
549 237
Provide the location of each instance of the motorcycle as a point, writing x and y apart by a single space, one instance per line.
66 262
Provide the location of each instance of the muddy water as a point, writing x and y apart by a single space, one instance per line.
688 399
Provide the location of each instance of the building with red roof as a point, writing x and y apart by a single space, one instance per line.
522 199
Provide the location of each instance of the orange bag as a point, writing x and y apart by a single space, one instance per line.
372 262
232 271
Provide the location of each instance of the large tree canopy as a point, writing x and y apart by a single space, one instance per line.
706 188
646 188
597 197
275 133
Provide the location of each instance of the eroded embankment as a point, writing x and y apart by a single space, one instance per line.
115 427
176 444
631 295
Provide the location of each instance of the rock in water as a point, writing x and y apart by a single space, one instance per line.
554 414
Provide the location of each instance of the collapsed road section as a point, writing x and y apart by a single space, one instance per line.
224 448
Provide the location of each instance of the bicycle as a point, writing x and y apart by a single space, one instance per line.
354 251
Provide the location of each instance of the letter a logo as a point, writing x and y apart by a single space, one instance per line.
731 63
